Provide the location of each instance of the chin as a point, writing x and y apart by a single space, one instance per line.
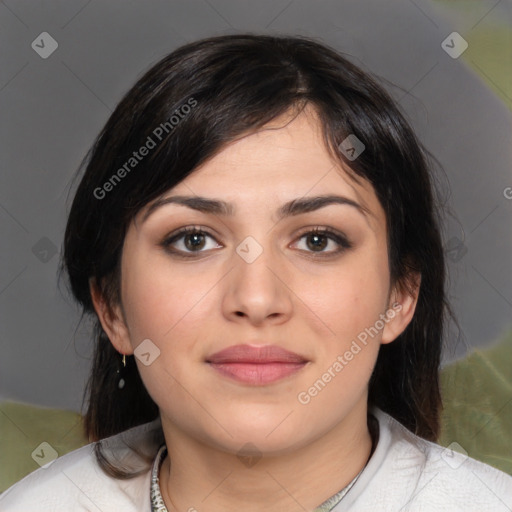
271 435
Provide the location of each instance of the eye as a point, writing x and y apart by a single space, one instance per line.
189 240
193 240
319 239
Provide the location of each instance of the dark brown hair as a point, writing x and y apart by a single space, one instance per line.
237 84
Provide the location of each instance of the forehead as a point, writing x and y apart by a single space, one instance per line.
285 159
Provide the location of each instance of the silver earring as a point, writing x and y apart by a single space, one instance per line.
121 382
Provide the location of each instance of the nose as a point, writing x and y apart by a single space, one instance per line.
256 290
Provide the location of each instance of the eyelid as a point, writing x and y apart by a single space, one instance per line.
338 237
180 232
330 233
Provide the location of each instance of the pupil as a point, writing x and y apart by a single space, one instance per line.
317 238
196 240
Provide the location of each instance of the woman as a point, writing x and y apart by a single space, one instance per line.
257 237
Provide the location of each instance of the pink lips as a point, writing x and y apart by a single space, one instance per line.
256 365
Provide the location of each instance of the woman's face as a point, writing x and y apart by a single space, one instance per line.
255 275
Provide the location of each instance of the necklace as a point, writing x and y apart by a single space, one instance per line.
158 504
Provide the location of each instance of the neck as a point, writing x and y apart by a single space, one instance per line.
204 478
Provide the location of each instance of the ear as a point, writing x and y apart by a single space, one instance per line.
401 307
112 319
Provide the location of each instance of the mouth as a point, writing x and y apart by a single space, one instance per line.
256 365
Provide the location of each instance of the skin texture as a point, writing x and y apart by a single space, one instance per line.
289 296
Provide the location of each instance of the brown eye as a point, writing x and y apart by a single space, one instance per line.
194 241
317 240
189 240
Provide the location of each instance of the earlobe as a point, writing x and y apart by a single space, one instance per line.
401 309
111 319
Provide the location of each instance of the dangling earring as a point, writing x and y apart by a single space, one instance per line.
121 382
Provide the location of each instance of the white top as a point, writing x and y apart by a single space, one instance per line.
405 473
158 504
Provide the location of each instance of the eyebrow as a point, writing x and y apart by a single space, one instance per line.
291 208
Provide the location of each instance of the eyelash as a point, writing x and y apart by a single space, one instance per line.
338 238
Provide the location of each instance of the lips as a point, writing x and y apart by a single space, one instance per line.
251 354
256 365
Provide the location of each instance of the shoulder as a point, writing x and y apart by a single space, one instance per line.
75 481
449 479
411 474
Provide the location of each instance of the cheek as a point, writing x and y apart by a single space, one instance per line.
350 297
159 300
167 309
350 304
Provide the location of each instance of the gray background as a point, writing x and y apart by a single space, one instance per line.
51 110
